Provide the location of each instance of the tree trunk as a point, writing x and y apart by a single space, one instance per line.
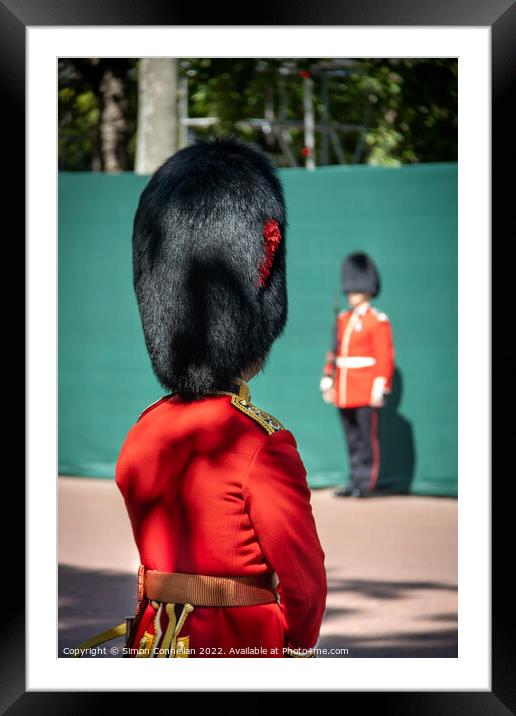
113 121
157 132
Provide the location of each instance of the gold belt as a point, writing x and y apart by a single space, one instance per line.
206 591
190 590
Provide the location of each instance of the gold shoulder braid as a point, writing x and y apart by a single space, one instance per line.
242 401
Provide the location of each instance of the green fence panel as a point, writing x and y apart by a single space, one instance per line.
406 218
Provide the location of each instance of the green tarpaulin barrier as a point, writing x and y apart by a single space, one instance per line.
406 218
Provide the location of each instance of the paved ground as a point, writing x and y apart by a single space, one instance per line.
391 563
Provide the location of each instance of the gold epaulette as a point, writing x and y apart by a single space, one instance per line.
242 402
268 422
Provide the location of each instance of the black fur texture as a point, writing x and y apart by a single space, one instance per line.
197 248
360 275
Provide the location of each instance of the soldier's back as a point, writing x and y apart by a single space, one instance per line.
181 471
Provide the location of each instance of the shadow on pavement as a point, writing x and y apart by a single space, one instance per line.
91 601
435 644
378 589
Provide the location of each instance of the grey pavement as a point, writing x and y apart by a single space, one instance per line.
391 564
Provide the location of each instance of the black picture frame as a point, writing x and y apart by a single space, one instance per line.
500 16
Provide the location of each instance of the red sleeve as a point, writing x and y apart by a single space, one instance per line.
122 470
384 352
277 498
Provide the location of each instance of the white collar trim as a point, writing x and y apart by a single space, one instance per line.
362 308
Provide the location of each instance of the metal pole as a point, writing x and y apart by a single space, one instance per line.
309 148
337 147
325 120
284 140
269 114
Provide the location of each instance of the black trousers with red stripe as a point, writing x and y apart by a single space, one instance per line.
361 430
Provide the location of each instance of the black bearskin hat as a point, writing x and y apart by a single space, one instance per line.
209 265
360 274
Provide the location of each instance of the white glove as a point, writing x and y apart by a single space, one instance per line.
326 383
377 391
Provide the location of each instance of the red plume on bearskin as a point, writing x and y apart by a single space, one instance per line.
271 239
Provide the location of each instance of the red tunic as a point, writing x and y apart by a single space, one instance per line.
363 351
209 491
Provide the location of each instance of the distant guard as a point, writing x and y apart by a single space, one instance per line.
358 372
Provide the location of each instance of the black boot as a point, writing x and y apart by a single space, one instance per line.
346 491
359 492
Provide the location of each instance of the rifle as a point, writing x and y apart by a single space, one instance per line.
336 311
332 353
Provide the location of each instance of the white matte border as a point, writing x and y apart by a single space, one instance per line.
471 670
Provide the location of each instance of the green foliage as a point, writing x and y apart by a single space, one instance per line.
78 127
79 110
407 108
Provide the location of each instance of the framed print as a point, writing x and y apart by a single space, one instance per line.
473 676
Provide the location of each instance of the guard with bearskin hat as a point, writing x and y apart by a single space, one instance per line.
215 489
358 372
